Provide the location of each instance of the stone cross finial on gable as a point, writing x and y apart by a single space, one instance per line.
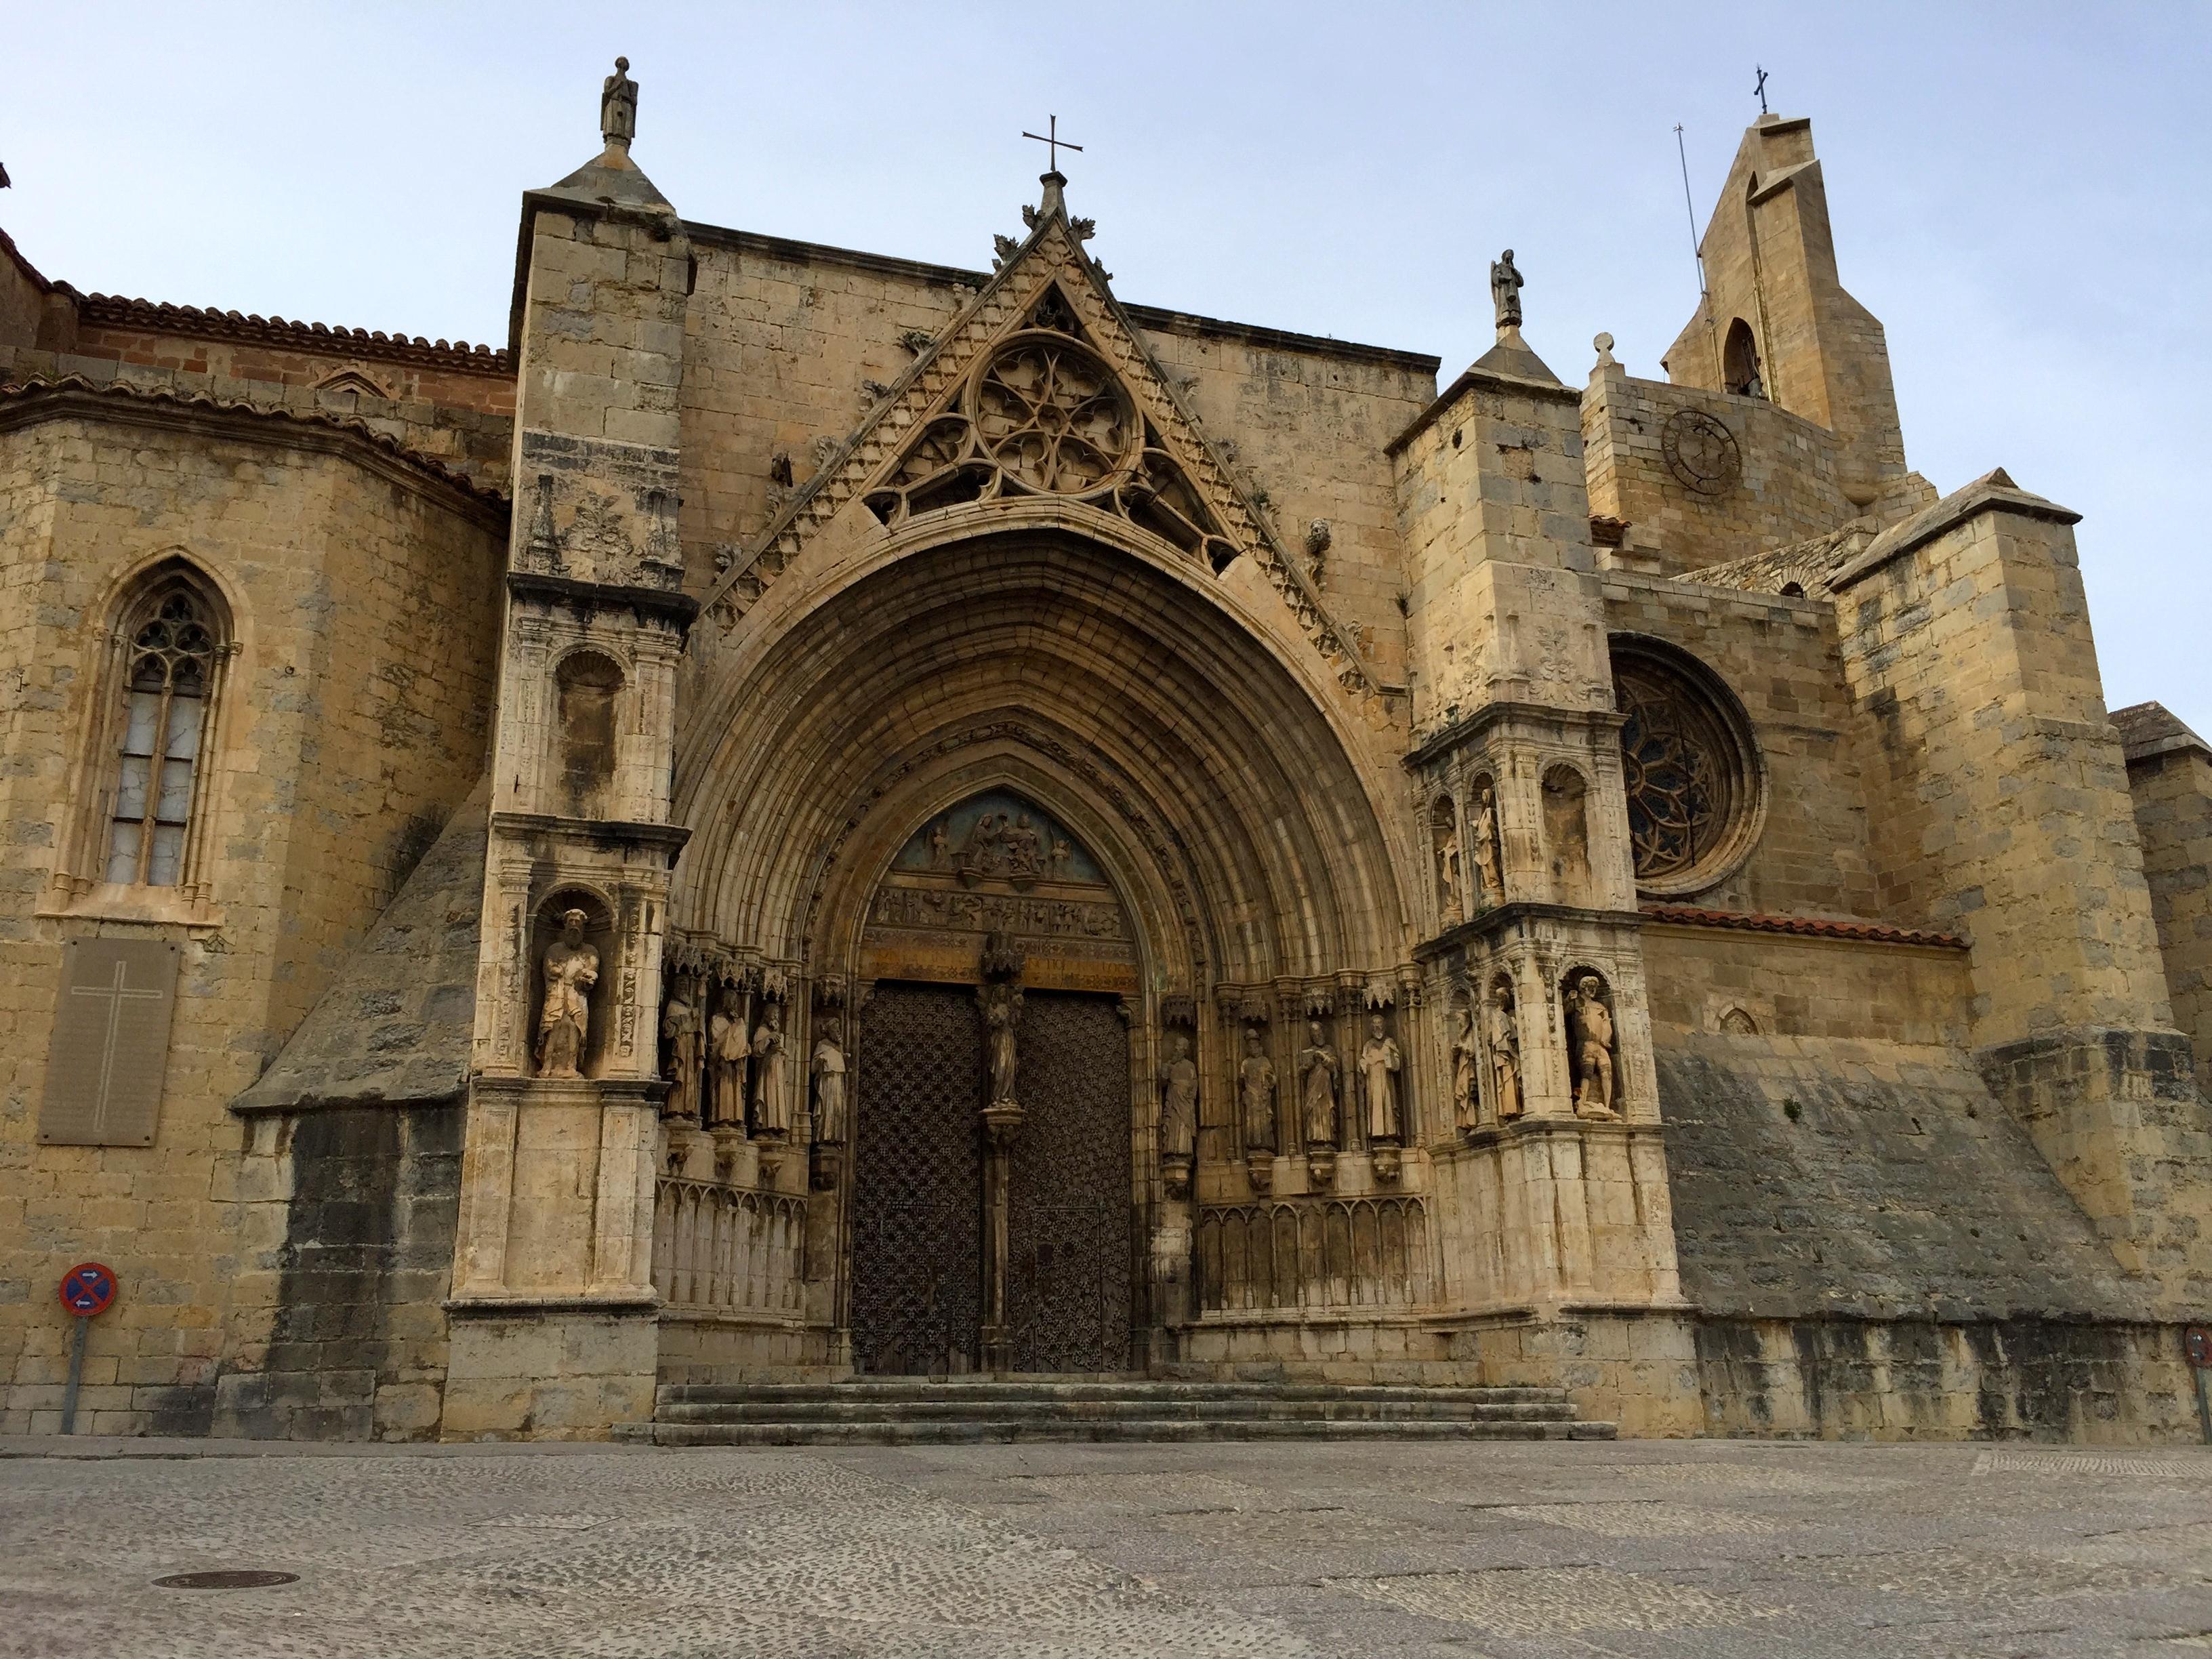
618 105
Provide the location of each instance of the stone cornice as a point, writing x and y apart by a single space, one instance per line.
1471 726
27 402
1868 933
668 837
679 608
1474 376
1516 912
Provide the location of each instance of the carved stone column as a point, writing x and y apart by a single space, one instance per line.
1001 998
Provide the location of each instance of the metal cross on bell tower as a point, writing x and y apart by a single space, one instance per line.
1053 143
1761 90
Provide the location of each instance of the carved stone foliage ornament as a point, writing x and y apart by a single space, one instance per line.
1044 414
1701 451
1691 771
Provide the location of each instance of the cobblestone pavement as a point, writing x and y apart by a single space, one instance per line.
1711 1549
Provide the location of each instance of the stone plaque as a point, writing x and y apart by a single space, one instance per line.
111 1042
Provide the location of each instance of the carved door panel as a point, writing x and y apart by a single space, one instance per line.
917 1184
1069 1229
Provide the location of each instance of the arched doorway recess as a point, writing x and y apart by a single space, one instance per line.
1220 834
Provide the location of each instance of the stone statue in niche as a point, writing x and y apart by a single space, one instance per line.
1380 1062
682 1028
1504 1034
1483 827
1256 1093
1466 1059
1318 1068
941 846
1505 285
1179 1106
1451 879
771 1095
726 1051
618 105
829 1070
572 967
1589 1037
1002 1017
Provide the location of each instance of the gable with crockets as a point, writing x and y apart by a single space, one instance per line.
1041 387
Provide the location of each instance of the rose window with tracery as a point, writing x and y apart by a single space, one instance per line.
1690 769
1053 417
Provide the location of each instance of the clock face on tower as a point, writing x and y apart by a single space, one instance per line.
1701 451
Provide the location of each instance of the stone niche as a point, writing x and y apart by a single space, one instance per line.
592 984
587 689
998 863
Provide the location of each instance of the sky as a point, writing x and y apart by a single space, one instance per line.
2019 192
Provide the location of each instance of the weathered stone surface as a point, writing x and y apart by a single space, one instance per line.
1641 900
396 1025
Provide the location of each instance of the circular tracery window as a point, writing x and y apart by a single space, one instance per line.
1693 776
1054 416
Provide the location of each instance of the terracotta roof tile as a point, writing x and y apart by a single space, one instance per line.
1690 916
116 310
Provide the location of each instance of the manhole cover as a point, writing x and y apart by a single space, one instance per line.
227 1578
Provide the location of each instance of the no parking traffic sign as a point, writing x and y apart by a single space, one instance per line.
89 1289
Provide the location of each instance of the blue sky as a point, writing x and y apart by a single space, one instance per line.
2019 192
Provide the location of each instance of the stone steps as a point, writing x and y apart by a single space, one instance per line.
919 1411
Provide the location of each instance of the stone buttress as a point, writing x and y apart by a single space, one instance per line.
1556 1216
553 1333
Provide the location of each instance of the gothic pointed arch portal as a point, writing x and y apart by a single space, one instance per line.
1206 862
993 1188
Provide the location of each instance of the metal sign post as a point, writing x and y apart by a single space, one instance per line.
87 1290
2196 1344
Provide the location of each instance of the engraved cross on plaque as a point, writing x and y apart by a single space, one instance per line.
117 994
1053 143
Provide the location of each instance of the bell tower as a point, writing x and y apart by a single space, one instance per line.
1776 322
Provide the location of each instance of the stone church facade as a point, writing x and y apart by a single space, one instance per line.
818 816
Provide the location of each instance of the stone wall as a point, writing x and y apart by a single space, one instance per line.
2173 794
468 425
785 339
1779 656
2103 1382
1788 489
356 1350
353 721
1706 979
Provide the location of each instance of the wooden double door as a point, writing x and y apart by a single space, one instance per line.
921 1234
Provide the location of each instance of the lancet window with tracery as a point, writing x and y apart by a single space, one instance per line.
171 652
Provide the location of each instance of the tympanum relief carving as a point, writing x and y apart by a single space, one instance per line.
998 864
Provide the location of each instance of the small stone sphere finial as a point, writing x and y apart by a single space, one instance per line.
1605 357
